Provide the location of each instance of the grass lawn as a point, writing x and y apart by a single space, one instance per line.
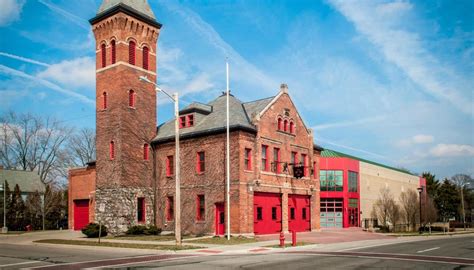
288 245
223 240
118 245
13 232
143 237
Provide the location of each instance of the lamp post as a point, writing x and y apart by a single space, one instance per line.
177 218
420 190
462 204
4 188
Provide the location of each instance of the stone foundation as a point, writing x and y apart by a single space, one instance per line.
116 208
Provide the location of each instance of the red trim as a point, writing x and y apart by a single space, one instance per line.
113 51
265 158
190 120
200 207
131 98
146 151
145 58
248 158
103 51
112 150
169 165
200 162
131 52
141 207
169 208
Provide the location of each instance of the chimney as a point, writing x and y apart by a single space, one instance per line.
284 88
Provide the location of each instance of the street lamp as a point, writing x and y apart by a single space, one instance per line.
177 219
462 204
420 190
4 188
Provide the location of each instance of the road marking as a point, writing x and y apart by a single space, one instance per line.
13 264
426 250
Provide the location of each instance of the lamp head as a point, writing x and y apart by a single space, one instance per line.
145 79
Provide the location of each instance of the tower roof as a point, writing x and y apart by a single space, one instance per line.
135 8
138 5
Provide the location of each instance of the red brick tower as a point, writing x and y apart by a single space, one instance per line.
126 32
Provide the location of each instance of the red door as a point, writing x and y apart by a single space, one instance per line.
220 219
299 213
267 213
81 214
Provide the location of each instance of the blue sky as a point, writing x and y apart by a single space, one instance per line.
389 81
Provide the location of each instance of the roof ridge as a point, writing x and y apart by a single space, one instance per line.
259 99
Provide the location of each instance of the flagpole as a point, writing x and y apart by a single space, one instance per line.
227 153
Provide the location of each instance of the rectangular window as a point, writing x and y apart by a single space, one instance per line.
303 214
200 162
305 164
294 158
353 203
169 208
169 165
145 58
276 160
274 213
331 180
248 159
265 158
292 213
352 181
112 150
314 170
259 213
145 151
201 210
141 209
190 119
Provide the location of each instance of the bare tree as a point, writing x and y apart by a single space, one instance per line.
32 143
431 213
461 181
394 212
409 207
82 147
383 206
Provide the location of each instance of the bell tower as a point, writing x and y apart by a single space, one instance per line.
126 33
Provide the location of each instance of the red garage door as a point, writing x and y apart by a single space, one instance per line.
299 213
81 214
267 213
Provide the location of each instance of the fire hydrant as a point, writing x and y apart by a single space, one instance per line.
282 239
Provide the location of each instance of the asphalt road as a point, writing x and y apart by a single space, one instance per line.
438 253
446 253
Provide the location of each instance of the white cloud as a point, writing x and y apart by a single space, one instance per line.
382 25
202 82
73 18
417 139
24 59
79 72
18 73
10 11
349 123
452 150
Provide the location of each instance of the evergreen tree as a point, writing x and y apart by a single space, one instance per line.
8 195
432 184
33 210
16 211
447 200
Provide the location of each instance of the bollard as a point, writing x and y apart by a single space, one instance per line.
282 239
293 238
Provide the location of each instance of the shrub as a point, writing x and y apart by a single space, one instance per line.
92 230
143 230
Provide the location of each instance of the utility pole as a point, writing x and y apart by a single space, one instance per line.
420 191
177 221
462 206
4 228
228 154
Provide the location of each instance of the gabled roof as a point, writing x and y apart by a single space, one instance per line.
328 153
27 181
211 118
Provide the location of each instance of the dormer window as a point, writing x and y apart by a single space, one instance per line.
186 121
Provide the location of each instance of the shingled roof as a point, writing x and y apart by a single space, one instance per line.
211 118
138 5
27 181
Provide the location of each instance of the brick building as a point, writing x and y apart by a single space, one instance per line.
132 180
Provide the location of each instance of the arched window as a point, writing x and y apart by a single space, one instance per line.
103 52
285 125
145 58
131 98
279 123
112 150
131 52
145 151
292 127
104 100
113 51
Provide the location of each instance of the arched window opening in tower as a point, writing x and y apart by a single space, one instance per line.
104 100
145 58
113 51
131 99
131 52
103 52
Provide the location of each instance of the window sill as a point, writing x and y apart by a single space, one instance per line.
200 221
132 108
200 173
248 171
286 133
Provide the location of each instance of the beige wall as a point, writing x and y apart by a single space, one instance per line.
373 178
